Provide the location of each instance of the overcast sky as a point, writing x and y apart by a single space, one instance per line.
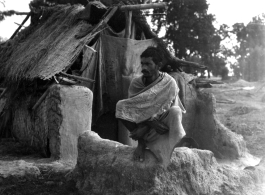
235 11
226 11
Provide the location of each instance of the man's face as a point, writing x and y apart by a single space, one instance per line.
149 68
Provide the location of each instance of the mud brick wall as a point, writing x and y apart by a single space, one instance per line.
53 128
201 123
69 112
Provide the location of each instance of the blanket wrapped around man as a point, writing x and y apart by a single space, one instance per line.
146 102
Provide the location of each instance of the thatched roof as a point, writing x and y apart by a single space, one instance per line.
46 49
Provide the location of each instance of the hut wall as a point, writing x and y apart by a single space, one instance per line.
69 114
30 128
201 123
53 128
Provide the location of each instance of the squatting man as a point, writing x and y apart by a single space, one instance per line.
153 111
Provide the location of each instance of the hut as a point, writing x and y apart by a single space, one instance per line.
70 55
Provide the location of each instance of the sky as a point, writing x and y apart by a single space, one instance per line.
235 11
226 12
7 26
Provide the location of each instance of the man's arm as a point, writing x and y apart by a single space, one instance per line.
137 131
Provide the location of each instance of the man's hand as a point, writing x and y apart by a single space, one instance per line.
160 127
139 132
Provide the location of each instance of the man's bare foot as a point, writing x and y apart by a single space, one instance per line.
139 153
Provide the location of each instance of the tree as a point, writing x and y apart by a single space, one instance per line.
254 67
250 52
190 30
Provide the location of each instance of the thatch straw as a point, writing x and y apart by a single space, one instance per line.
49 49
16 120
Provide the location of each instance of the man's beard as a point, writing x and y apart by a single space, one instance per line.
146 73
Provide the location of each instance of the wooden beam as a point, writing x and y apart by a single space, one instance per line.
128 24
22 13
154 14
19 24
190 64
132 36
41 99
143 6
77 77
24 21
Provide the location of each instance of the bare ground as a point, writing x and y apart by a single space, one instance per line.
43 176
241 109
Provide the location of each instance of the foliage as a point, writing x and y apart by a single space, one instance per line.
3 14
253 67
190 30
224 73
251 50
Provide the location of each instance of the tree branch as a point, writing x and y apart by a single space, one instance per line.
21 13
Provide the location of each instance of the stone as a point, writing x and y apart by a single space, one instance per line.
18 168
107 167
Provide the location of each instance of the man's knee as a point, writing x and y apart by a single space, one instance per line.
175 110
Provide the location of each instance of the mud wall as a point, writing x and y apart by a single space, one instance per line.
106 167
201 123
53 128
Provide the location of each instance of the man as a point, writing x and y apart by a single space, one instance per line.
153 112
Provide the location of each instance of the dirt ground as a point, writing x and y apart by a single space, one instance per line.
240 107
52 177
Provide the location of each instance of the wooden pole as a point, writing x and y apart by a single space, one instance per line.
191 64
132 36
143 6
77 77
22 13
24 21
19 24
128 24
41 99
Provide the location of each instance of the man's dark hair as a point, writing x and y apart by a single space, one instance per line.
154 53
